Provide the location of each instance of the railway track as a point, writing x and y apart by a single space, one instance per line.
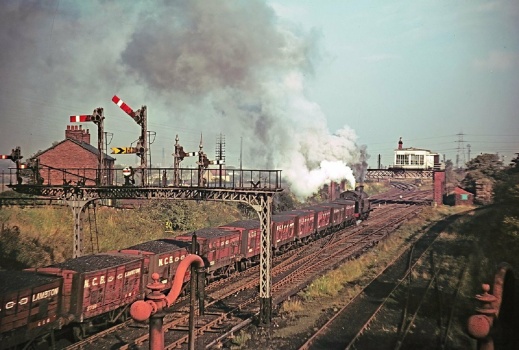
233 302
361 313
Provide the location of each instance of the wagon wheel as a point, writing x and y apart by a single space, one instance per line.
77 333
242 266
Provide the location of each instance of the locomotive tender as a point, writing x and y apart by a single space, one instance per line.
85 293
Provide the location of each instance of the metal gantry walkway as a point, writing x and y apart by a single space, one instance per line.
380 174
78 188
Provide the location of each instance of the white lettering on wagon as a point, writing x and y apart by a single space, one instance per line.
35 297
43 322
97 281
46 294
132 272
170 260
102 279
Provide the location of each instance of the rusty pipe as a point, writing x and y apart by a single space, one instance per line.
156 302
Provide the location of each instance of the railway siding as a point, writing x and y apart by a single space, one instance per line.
374 316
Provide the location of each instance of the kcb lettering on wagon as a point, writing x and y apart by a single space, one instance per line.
170 260
94 281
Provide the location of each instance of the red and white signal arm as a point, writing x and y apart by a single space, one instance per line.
80 118
127 172
127 109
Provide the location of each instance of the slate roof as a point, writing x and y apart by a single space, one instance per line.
84 145
459 190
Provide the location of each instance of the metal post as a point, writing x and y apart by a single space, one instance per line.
192 298
155 302
264 211
176 163
156 333
78 206
100 146
144 140
201 164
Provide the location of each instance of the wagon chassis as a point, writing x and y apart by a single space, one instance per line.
236 294
260 199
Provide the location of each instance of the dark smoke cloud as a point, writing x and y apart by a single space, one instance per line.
195 47
360 167
213 66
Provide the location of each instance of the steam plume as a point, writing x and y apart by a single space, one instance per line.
230 66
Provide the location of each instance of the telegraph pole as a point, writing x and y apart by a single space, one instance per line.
108 172
220 155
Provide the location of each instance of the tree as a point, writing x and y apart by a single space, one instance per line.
450 174
488 164
283 201
506 193
515 162
484 168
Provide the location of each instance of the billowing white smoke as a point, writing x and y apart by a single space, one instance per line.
305 181
218 66
301 144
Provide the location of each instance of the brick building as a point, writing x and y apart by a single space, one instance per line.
460 197
78 157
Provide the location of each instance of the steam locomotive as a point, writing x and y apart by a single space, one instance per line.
79 296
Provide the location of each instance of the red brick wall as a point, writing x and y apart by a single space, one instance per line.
459 201
78 161
77 132
438 186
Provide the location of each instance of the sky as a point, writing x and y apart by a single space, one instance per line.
315 88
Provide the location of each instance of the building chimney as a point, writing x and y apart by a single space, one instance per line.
331 189
400 143
77 133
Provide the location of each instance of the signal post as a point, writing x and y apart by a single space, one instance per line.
140 116
98 118
259 198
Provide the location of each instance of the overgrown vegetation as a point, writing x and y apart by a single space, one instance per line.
484 167
240 340
33 237
350 273
487 237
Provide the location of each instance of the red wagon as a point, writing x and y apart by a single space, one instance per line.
161 256
220 248
98 284
30 305
283 232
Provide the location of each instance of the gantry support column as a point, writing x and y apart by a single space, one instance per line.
264 209
78 205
